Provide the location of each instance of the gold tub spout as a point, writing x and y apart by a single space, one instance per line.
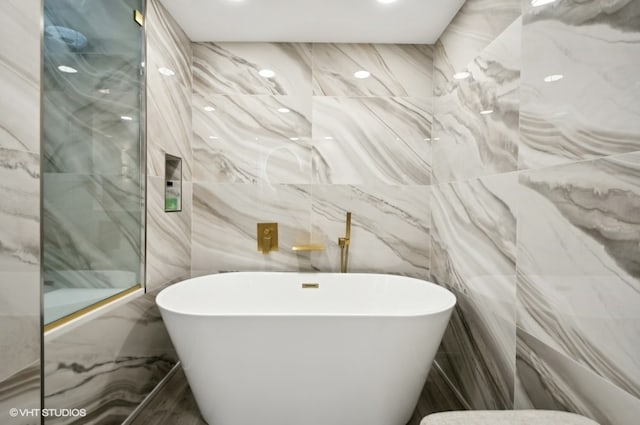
344 246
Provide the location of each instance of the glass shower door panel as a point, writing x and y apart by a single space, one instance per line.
93 176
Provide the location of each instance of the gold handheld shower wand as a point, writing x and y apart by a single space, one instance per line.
344 246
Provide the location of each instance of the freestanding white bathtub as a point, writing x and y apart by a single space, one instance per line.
272 349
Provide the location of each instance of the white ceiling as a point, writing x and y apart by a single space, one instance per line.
320 21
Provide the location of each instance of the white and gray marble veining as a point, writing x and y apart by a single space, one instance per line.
109 364
390 231
21 390
225 232
106 239
473 253
371 140
20 208
169 111
168 236
233 68
20 74
474 236
578 267
477 353
477 118
252 139
169 130
396 70
549 380
19 260
477 24
591 109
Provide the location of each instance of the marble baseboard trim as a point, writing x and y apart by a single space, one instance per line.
147 400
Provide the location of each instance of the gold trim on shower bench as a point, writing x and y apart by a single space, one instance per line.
88 309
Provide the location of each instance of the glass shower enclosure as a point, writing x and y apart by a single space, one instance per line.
93 145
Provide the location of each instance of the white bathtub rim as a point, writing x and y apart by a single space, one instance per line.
448 306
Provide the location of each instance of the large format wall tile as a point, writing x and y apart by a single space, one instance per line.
253 160
390 228
21 390
477 353
225 218
109 364
371 140
593 111
168 236
477 24
252 139
20 74
20 63
169 130
549 380
578 264
396 70
477 118
169 81
19 270
233 68
473 253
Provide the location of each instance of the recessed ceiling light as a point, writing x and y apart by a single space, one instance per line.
104 91
436 139
212 137
284 110
67 69
294 138
126 118
461 75
209 108
387 1
553 77
362 74
487 112
427 139
267 73
328 138
166 71
536 3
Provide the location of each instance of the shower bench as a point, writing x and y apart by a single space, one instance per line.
506 417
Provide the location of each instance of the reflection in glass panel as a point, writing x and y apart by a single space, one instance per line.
93 180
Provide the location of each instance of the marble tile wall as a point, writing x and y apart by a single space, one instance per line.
474 203
305 146
20 208
109 364
169 130
473 246
536 230
592 110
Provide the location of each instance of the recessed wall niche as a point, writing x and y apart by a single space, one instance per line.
173 183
